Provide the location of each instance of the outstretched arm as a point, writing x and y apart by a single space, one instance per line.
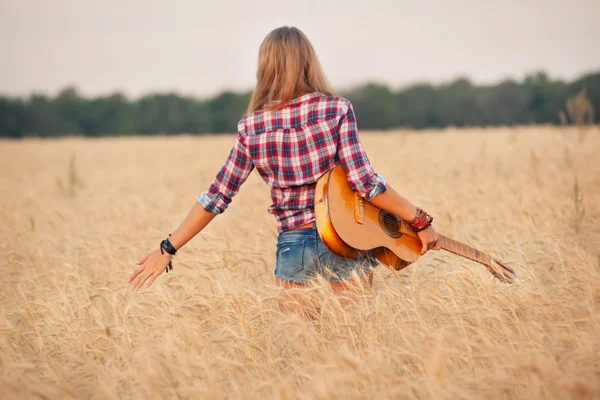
197 219
155 262
212 202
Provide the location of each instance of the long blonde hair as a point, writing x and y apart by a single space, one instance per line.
288 67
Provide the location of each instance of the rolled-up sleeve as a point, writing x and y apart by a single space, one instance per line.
230 177
351 155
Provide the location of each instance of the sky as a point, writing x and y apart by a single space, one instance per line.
203 47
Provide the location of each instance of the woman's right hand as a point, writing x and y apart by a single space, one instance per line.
430 239
150 268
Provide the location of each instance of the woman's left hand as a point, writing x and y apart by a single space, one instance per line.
430 239
150 268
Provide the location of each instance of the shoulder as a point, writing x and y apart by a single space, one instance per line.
241 129
249 123
326 106
335 102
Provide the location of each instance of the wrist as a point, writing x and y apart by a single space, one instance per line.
414 215
166 247
163 253
421 221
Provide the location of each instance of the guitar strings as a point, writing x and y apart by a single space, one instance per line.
389 217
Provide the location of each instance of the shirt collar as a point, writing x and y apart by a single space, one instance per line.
297 99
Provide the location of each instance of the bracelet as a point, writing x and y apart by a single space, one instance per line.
167 246
421 221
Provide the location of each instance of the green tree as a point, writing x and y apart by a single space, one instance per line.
12 118
374 106
42 117
170 113
226 110
417 107
537 99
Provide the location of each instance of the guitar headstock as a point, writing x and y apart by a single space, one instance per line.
502 271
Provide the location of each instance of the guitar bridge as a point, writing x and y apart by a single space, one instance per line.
359 209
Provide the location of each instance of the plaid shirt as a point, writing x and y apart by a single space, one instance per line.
292 148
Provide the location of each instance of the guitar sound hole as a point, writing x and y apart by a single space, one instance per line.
390 224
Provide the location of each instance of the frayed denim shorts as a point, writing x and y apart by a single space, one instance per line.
301 255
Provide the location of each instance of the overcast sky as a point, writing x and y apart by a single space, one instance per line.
201 47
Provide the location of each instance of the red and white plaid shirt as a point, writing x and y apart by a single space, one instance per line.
292 148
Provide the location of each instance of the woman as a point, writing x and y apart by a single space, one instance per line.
294 132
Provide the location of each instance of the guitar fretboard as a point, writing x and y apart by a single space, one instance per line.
464 250
453 246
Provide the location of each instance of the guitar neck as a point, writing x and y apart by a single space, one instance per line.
464 250
453 246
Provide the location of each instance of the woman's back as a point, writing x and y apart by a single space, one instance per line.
296 144
292 147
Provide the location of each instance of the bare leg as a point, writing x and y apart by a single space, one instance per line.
302 304
348 290
296 303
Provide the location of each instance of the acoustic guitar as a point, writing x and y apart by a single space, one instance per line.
349 225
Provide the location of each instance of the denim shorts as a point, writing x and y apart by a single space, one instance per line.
301 255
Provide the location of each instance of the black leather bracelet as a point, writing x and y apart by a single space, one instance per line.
167 246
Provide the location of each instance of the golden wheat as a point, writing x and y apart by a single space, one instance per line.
77 213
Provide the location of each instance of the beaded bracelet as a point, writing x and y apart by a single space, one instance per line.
421 221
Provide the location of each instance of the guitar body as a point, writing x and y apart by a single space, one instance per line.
348 224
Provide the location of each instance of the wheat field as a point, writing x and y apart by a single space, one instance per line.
76 214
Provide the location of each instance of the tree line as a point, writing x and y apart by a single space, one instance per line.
536 99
